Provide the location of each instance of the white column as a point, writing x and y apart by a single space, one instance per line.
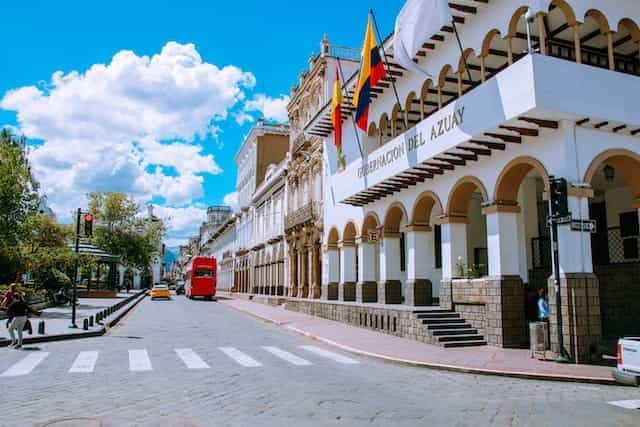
347 264
420 256
502 241
454 247
390 258
333 256
575 246
367 264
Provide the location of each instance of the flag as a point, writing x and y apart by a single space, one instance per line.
416 23
336 116
371 72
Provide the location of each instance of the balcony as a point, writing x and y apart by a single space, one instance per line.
307 214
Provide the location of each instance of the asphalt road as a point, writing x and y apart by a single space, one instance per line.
198 363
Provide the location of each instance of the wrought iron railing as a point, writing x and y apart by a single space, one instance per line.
308 213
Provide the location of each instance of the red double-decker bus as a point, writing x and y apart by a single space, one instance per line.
201 278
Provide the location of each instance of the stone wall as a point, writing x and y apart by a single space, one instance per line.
493 305
619 299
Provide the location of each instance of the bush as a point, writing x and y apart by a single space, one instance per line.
26 290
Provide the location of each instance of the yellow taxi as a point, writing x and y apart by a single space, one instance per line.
160 291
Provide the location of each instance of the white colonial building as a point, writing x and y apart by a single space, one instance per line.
447 203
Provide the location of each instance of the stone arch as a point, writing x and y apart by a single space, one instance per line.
513 22
625 163
600 19
397 121
334 237
370 223
393 217
632 27
424 92
373 130
465 56
461 194
443 75
486 43
567 10
385 128
423 208
513 173
350 232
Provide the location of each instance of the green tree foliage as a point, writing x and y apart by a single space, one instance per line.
44 251
120 231
18 201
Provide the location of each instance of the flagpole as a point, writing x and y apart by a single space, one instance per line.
386 61
464 58
355 128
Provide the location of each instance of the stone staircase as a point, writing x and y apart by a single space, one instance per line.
448 329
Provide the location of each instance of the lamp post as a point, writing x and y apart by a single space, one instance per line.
75 271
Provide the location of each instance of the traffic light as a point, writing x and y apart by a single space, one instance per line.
558 198
88 225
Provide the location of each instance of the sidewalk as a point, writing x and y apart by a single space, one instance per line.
58 319
478 360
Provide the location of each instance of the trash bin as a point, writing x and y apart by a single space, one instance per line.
538 337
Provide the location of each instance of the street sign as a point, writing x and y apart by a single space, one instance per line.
561 219
583 225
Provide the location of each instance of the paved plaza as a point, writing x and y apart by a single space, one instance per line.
198 363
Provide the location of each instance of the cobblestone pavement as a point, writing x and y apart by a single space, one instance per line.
197 363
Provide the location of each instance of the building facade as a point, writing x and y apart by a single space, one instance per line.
446 201
303 221
263 149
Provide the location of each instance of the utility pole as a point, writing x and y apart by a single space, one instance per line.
75 271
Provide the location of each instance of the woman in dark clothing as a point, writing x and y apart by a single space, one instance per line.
17 313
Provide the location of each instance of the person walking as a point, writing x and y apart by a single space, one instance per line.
9 296
18 313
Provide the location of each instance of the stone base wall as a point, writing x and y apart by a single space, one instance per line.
367 292
418 292
493 305
619 299
581 324
390 292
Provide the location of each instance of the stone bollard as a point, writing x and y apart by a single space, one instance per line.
91 321
85 324
41 327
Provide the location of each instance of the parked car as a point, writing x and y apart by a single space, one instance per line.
627 370
179 288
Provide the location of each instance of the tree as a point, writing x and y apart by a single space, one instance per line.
120 231
44 251
18 201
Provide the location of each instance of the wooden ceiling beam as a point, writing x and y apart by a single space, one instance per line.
521 130
490 145
506 138
548 124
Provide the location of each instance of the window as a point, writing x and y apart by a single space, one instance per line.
202 272
437 240
403 255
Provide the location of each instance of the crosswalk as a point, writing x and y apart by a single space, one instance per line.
139 360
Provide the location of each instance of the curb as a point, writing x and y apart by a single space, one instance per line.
88 334
437 366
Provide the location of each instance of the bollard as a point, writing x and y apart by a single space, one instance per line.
85 324
41 327
91 321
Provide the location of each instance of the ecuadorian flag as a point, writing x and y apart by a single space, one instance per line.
371 71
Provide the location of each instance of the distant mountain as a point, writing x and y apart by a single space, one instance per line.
170 255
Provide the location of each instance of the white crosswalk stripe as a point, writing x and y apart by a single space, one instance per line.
240 357
85 362
626 404
330 355
139 361
191 359
25 365
289 357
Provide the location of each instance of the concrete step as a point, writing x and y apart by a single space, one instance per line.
461 331
464 344
436 310
442 321
436 326
456 338
438 315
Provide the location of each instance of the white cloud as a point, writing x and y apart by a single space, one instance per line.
182 223
231 200
270 108
132 125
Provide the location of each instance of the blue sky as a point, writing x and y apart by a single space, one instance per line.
122 126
